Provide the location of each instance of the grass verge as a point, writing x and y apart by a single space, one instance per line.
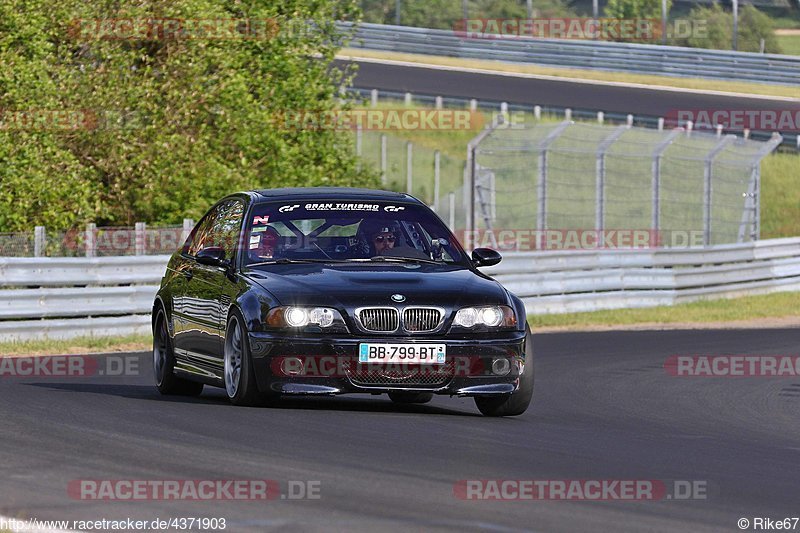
81 345
778 306
584 74
790 44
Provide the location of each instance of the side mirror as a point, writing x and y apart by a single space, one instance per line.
484 257
212 256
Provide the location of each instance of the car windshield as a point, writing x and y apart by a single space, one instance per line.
351 231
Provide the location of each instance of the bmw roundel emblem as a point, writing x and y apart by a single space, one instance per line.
398 298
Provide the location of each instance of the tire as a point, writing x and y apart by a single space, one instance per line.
167 382
410 397
238 373
515 403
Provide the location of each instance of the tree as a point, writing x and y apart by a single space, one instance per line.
169 124
717 30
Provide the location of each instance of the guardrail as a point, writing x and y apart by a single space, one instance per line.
598 55
71 297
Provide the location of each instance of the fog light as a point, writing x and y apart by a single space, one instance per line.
292 366
501 366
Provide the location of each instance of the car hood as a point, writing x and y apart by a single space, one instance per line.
350 286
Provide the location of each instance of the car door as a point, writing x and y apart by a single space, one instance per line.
208 288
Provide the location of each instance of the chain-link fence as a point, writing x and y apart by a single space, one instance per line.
682 187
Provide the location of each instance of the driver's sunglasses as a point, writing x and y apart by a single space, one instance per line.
380 238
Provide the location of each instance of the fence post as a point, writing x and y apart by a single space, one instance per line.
384 158
658 155
188 224
436 179
359 139
91 228
141 236
708 192
39 241
451 198
409 167
541 184
600 176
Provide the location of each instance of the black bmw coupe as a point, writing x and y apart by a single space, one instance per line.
324 291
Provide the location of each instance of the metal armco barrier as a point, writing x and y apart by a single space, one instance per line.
600 55
40 298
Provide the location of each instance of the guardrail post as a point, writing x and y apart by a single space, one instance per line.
409 167
384 158
473 105
600 117
708 192
188 224
658 155
629 120
541 183
600 176
439 102
568 114
407 98
436 179
39 241
141 238
91 229
373 94
661 124
537 112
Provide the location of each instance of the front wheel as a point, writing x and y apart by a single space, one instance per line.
239 376
517 402
164 363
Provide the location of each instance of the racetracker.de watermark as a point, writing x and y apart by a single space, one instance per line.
400 119
783 120
605 29
580 489
733 366
192 489
68 120
68 366
521 240
160 29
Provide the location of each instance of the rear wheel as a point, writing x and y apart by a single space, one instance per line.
515 403
410 397
164 363
240 379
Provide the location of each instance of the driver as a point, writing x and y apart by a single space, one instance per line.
383 239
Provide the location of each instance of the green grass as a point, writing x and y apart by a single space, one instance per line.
82 345
790 44
777 305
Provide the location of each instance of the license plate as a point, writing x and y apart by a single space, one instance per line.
401 353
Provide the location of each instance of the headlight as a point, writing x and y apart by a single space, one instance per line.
298 317
491 316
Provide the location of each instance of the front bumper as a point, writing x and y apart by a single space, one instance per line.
305 365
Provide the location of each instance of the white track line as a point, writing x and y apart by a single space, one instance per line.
566 79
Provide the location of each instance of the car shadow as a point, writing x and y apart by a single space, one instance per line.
214 396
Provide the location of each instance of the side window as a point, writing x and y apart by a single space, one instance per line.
219 228
227 227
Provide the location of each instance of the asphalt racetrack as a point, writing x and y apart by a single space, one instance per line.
546 92
604 408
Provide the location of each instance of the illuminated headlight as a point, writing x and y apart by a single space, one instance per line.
297 317
494 316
